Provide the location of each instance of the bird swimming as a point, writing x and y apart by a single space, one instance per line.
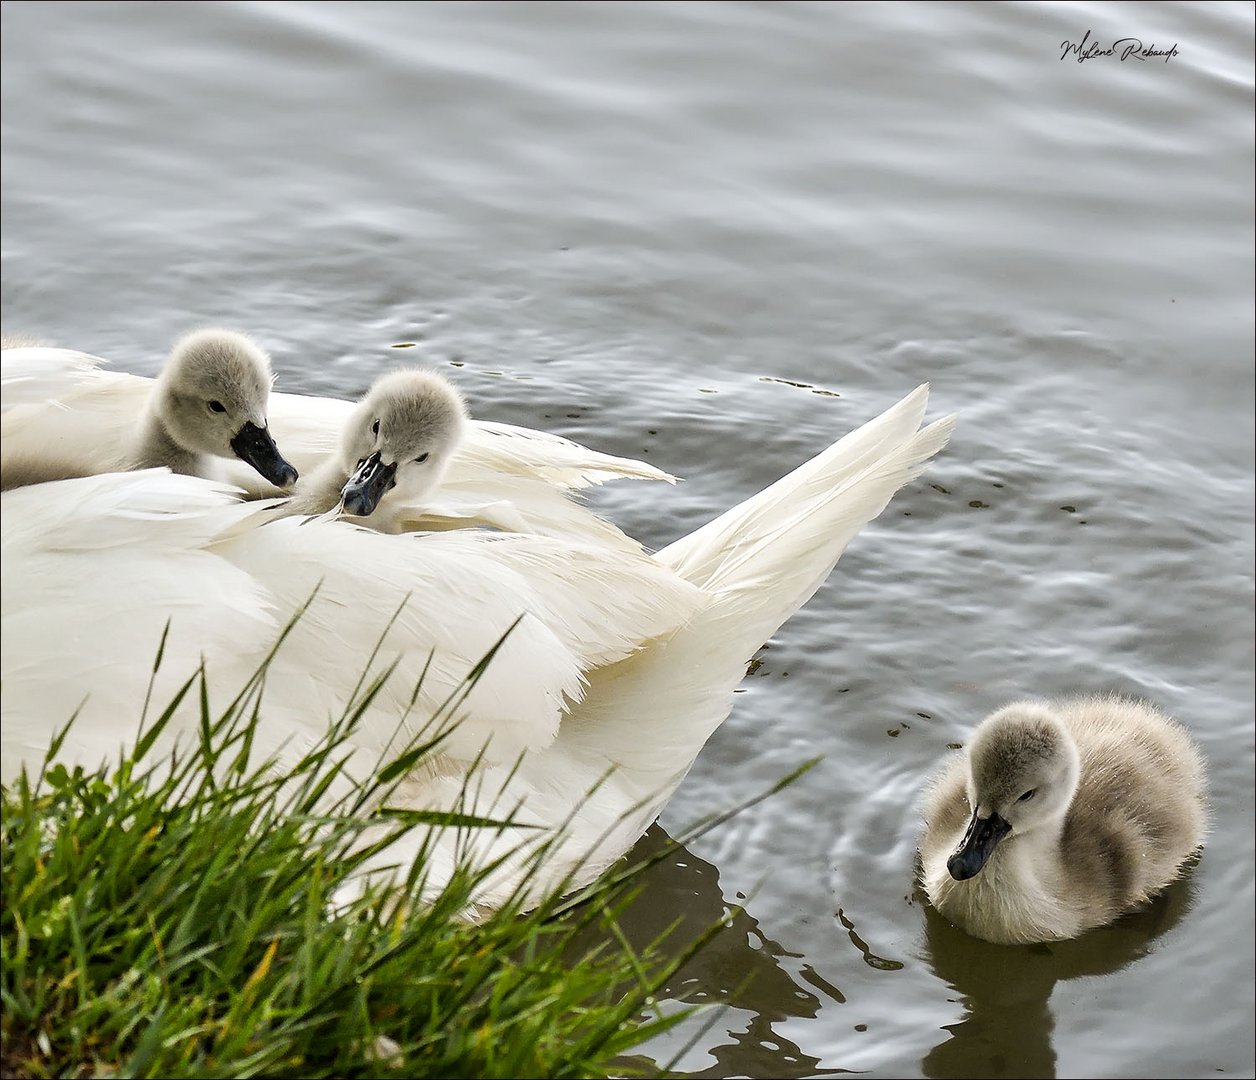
1061 816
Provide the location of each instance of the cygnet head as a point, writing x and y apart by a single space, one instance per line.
212 396
1023 769
402 436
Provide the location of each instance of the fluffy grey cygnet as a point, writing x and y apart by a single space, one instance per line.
1060 817
210 401
394 450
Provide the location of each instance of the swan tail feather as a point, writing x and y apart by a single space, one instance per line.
758 563
769 554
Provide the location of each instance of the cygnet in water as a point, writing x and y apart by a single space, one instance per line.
1060 817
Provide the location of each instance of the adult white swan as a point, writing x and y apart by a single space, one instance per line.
67 413
621 668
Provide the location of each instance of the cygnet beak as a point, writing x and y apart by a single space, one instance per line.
361 494
253 445
977 846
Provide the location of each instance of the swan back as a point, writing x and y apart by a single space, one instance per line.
35 374
1059 817
594 708
149 556
39 388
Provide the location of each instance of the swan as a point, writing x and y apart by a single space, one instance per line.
209 402
1060 817
66 414
595 707
398 442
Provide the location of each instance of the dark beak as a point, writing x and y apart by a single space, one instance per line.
361 495
977 846
254 446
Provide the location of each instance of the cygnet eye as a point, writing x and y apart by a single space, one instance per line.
420 459
1028 795
217 406
375 428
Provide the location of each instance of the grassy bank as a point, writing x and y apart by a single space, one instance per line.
176 919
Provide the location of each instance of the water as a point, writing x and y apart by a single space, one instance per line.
718 236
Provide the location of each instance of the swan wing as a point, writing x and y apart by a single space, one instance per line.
97 568
532 506
94 569
627 744
37 374
63 415
510 450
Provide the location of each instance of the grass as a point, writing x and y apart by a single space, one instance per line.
182 915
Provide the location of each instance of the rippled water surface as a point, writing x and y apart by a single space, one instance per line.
719 236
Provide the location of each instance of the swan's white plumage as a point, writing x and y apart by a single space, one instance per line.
622 666
37 375
108 559
643 721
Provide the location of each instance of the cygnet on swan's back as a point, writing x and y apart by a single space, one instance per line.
613 671
394 451
64 414
209 402
1060 817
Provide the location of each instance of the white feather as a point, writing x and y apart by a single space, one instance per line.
619 670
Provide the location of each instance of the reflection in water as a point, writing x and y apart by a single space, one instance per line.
881 963
1006 989
739 970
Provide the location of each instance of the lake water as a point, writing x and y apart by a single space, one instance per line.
718 236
